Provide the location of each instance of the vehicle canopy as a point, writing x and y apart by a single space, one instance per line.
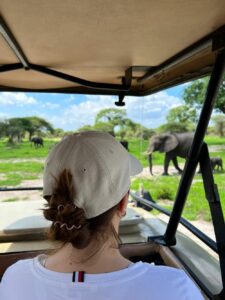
108 48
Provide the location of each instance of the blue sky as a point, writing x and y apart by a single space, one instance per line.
70 112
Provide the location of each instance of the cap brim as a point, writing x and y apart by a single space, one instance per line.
135 166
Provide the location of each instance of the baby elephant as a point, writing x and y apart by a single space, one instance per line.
216 162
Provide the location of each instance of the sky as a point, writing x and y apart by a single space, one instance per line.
70 112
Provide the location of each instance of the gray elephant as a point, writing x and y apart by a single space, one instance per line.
173 144
216 162
38 142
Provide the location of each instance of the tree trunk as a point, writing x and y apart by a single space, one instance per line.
150 163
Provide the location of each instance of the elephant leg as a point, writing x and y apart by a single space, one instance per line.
166 164
176 165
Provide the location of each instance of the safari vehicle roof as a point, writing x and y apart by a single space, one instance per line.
124 47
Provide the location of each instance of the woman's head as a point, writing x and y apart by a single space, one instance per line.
86 177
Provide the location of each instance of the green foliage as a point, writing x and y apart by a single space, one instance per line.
173 127
37 125
114 121
15 128
194 94
111 115
182 114
179 119
105 127
165 193
86 128
219 121
58 133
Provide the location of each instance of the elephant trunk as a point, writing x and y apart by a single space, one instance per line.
150 163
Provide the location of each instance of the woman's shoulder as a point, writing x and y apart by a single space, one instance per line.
17 269
174 281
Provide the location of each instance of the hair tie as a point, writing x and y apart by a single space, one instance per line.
71 227
65 225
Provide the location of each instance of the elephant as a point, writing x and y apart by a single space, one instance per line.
173 144
38 142
216 162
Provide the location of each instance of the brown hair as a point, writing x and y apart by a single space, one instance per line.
78 230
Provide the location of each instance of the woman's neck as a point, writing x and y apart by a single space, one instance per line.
91 260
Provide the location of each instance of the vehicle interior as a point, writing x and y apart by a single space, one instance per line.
123 48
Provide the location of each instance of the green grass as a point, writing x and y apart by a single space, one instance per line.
25 150
214 140
25 167
13 174
14 179
161 188
196 206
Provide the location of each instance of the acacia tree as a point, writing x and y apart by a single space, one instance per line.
35 125
219 121
15 128
182 114
113 117
194 94
179 119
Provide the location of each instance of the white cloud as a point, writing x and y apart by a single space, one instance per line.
84 113
150 111
50 105
18 99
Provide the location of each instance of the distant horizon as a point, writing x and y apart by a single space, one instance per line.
70 112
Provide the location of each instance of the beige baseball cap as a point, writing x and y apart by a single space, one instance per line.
101 168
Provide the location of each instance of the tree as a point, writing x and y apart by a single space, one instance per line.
219 121
14 130
179 119
173 127
3 129
58 132
182 114
86 128
113 116
36 125
194 94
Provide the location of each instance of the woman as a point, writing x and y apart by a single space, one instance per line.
86 185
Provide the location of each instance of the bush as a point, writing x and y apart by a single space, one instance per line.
164 193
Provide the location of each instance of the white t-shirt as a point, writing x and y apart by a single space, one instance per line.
29 280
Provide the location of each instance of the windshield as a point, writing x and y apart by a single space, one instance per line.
32 123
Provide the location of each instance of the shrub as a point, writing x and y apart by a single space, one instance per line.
164 193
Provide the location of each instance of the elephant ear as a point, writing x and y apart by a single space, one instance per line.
170 143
